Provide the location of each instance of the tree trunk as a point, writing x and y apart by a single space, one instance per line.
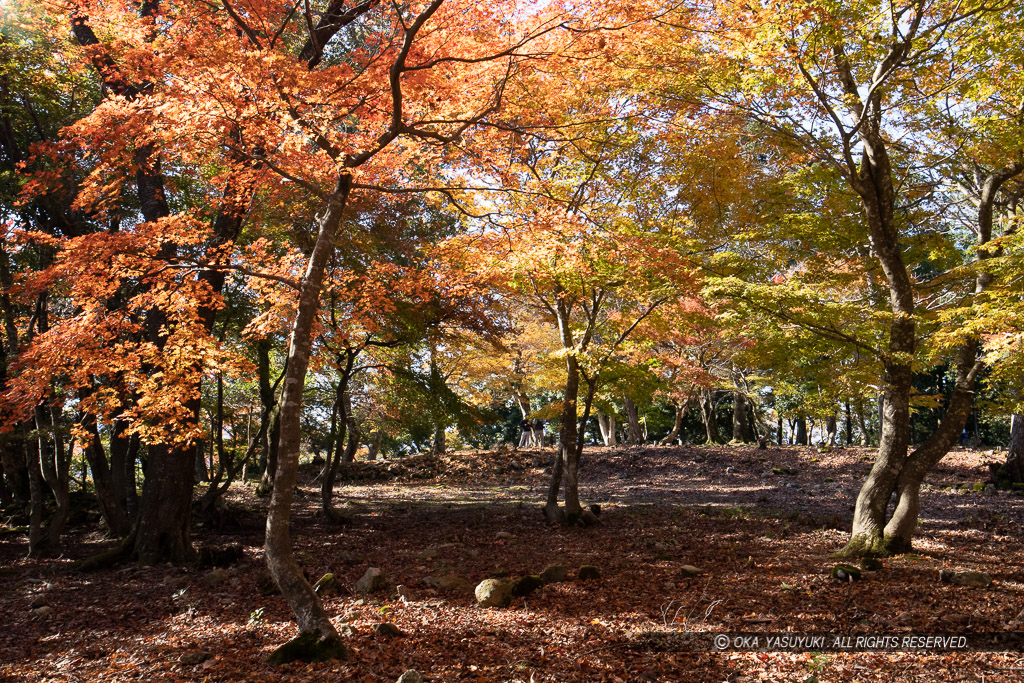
567 431
865 437
271 435
55 468
201 473
165 509
894 470
111 508
676 425
353 438
707 412
310 616
801 431
62 463
606 423
867 535
899 530
36 540
439 443
635 435
373 448
341 412
849 424
1014 467
742 427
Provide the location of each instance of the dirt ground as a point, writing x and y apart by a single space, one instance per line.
759 524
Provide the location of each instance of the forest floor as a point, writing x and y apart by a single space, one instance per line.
761 524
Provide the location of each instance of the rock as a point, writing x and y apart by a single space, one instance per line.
493 593
346 630
554 574
783 470
504 536
450 582
688 570
410 676
173 581
404 593
428 553
972 579
327 585
309 647
193 658
526 585
43 611
588 572
389 630
38 602
372 581
906 617
845 573
870 564
216 577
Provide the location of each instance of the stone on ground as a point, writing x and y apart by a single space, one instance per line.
525 585
493 593
972 579
554 574
372 581
327 585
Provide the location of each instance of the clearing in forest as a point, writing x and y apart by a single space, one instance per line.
758 524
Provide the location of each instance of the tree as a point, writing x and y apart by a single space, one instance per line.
829 81
433 75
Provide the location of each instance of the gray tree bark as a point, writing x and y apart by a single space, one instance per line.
310 615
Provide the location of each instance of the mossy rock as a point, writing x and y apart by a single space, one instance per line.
784 470
327 585
845 573
309 647
870 564
554 574
588 572
526 585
